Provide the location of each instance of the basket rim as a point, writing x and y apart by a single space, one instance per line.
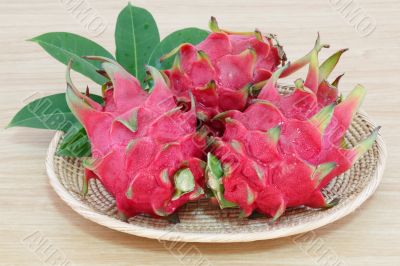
162 234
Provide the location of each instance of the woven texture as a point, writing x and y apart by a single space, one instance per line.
202 222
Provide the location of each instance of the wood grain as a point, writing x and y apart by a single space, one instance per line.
29 207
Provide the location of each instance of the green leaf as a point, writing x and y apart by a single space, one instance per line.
64 46
136 35
73 135
49 112
188 35
75 143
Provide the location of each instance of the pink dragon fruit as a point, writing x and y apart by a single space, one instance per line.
273 155
220 70
145 149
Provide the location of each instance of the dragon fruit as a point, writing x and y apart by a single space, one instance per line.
277 153
265 151
145 149
220 70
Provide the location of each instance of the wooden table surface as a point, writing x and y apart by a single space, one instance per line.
31 210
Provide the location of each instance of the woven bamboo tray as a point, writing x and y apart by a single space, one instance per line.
202 222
